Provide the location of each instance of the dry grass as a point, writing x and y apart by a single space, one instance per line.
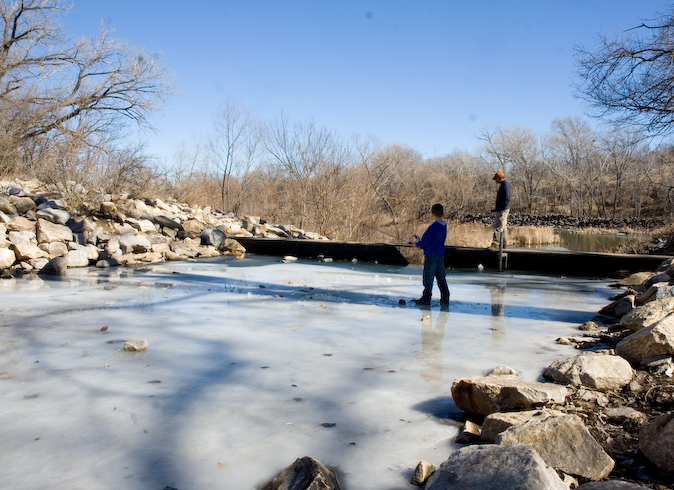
479 235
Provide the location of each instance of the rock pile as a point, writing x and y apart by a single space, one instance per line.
604 420
41 232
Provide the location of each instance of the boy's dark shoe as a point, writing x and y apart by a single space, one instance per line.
444 301
422 301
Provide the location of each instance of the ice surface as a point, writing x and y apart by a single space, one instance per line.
250 363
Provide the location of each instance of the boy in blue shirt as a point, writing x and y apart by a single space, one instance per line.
433 244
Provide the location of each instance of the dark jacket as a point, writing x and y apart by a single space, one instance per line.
503 197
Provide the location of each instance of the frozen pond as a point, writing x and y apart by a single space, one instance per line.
250 363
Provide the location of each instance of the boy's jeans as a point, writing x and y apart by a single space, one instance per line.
434 267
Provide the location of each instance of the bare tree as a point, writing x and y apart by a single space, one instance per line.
234 148
629 79
51 85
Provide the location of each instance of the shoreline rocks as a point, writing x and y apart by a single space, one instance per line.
41 232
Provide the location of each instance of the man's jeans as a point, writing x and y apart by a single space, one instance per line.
434 267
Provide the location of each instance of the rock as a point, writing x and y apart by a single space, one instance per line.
7 258
611 485
52 232
625 415
620 307
16 237
648 314
655 340
129 243
497 422
503 371
216 238
656 441
21 224
485 395
489 467
55 249
58 216
304 474
144 226
663 292
635 279
564 443
588 326
23 204
55 267
165 222
27 251
233 247
7 207
599 371
77 258
422 472
193 225
135 345
108 210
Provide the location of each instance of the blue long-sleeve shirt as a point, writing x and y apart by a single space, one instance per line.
503 197
433 239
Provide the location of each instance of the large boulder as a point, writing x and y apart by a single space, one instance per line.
656 441
648 314
216 238
599 371
564 443
52 232
305 474
489 467
635 279
485 395
655 340
55 267
77 258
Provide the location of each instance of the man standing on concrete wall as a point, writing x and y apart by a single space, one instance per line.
501 210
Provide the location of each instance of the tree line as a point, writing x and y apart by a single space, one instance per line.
65 104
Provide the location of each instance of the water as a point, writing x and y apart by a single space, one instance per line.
250 363
595 242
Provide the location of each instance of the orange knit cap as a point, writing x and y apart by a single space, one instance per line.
498 175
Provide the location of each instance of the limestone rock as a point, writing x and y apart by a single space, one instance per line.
663 292
655 340
7 258
55 249
77 258
422 472
27 251
52 232
648 314
21 224
135 345
216 238
598 371
165 222
108 210
497 422
16 237
193 225
234 247
305 474
129 243
485 395
656 441
489 467
564 443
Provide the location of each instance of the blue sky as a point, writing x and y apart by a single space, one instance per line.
429 74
